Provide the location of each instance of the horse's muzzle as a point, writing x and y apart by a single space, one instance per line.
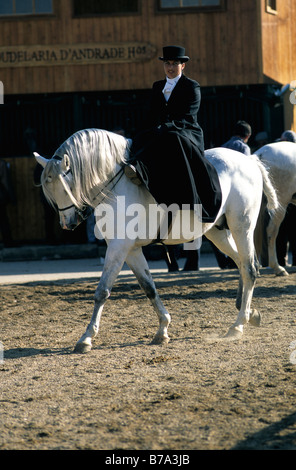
77 216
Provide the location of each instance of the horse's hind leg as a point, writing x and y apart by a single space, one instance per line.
240 287
223 240
243 254
137 262
248 267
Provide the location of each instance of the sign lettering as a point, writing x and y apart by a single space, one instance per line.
77 54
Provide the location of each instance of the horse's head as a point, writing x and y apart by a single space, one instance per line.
57 185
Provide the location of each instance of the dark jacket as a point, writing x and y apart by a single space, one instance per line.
169 154
180 111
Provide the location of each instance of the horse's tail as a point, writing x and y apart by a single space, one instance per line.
269 202
268 188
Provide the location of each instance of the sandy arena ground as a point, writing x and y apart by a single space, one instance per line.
199 392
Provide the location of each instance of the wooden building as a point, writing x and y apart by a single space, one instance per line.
74 64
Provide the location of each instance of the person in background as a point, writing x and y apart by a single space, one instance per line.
261 139
239 141
289 136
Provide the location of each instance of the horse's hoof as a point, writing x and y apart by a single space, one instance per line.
282 273
160 340
255 318
233 333
82 348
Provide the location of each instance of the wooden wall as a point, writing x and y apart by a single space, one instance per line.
278 52
279 42
26 214
224 47
242 45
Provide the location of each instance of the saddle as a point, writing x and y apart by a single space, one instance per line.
175 171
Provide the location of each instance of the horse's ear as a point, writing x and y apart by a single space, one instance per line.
41 160
65 163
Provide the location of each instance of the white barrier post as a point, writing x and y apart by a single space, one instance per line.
1 93
1 353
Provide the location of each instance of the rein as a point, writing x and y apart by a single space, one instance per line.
121 170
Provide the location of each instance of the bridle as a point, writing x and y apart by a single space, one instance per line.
84 213
120 172
64 174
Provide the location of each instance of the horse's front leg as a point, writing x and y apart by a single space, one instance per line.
84 344
115 257
137 262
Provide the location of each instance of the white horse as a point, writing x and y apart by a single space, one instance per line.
280 160
88 170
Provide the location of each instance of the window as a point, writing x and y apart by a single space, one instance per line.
25 7
189 4
271 7
104 7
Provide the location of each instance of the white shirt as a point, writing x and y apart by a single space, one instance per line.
169 86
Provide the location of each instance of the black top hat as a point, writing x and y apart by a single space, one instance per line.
174 53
